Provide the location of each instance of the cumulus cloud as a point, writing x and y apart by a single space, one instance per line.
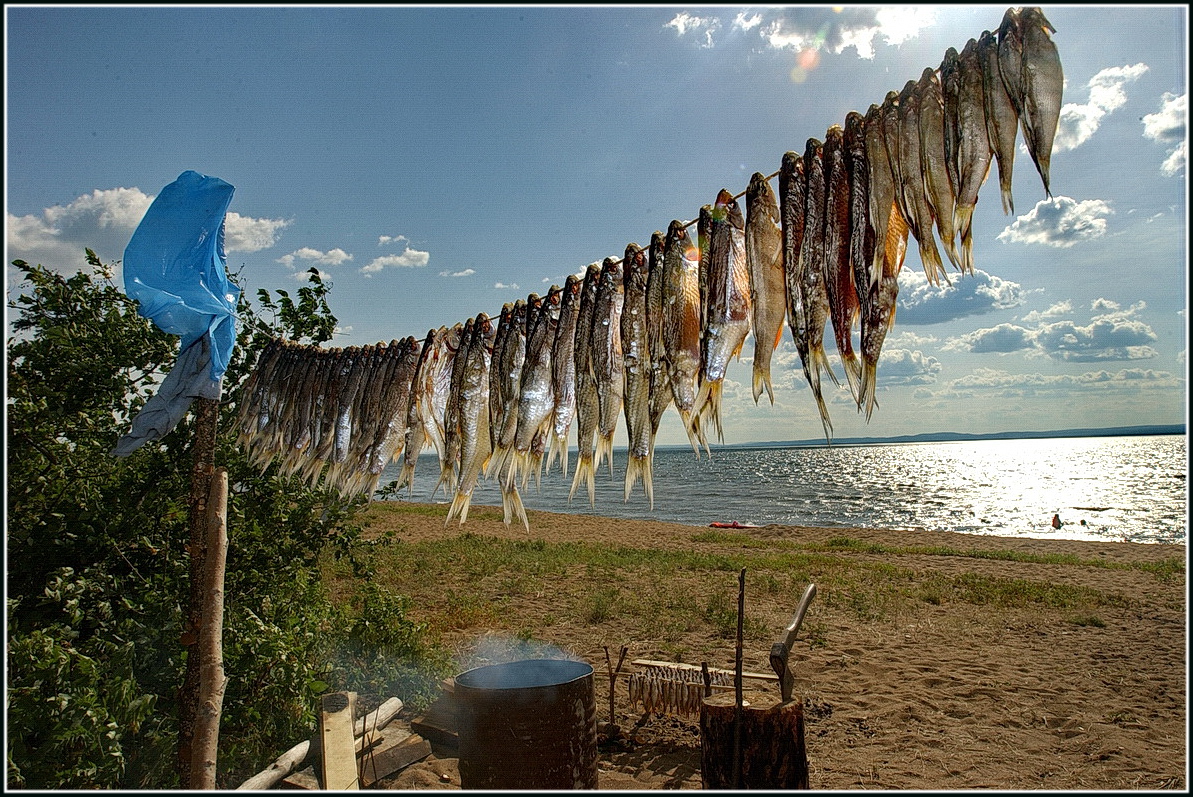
410 258
468 272
799 29
905 367
1058 309
1106 94
391 239
104 221
1167 126
920 302
1018 384
1001 339
1061 222
303 276
501 286
335 257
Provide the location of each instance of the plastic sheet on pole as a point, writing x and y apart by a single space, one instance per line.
176 269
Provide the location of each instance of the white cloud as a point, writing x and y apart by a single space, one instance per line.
1058 309
1060 221
1168 126
1106 95
501 286
468 272
410 258
1024 383
391 239
904 367
920 302
304 275
335 257
685 23
104 221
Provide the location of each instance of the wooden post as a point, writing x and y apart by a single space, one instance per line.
212 681
206 417
737 691
773 755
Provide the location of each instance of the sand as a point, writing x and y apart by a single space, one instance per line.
931 696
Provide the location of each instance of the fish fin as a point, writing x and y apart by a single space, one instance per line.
604 449
762 382
930 257
585 472
812 372
853 373
965 230
708 405
639 468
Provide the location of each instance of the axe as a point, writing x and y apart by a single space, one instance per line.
780 652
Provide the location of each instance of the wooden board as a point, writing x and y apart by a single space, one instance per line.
391 756
338 745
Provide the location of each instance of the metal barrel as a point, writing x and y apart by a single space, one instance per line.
527 725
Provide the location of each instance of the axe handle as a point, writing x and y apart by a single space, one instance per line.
798 620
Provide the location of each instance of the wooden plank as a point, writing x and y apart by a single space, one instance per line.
338 759
389 758
303 780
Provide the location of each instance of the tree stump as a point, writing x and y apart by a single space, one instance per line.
773 755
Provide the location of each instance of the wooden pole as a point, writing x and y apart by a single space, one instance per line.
212 681
206 417
737 695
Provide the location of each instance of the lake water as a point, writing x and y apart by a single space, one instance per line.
1125 488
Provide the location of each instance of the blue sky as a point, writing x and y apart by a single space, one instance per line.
438 162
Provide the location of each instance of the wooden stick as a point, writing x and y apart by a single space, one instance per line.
760 676
212 681
707 678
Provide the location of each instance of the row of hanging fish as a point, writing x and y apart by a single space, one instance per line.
671 690
658 327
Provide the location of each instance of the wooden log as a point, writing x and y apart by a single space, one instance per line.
338 759
212 681
289 761
773 755
389 758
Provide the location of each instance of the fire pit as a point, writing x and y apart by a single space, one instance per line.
527 725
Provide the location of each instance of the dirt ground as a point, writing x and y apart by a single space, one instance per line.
944 696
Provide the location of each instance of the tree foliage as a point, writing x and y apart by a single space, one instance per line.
97 566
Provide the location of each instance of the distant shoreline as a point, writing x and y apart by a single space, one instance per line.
962 437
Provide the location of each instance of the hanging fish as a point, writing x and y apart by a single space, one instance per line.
635 353
496 374
587 402
681 326
509 372
607 357
792 190
938 188
813 292
950 90
878 309
536 403
475 446
768 298
838 277
416 423
563 372
450 467
912 187
440 387
861 227
974 153
727 316
1042 85
660 380
1002 120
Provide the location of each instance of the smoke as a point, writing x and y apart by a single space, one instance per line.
493 648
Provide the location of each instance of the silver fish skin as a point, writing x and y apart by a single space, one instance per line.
838 277
727 315
475 447
660 380
587 401
416 422
509 371
635 353
1002 120
768 297
682 325
861 228
1043 89
389 443
607 356
950 88
793 186
914 188
933 162
536 400
496 374
447 342
812 270
703 237
563 372
450 468
1010 58
974 151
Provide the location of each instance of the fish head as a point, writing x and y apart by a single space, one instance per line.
1033 16
1010 27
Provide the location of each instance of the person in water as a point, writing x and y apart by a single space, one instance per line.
1056 522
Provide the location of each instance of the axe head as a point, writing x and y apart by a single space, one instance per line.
779 654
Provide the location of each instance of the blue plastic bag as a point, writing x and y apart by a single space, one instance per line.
176 269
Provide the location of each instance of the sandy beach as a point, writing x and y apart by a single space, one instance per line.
928 660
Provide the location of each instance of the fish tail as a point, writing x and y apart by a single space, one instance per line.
459 508
585 472
708 405
869 395
930 256
813 375
511 505
447 475
965 230
557 451
604 448
853 373
639 468
762 382
689 420
406 477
